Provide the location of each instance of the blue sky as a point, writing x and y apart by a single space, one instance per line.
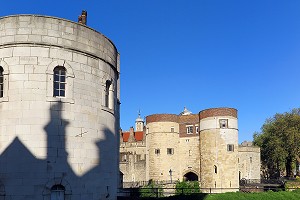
195 53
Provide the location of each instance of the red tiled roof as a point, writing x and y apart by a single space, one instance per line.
125 136
137 135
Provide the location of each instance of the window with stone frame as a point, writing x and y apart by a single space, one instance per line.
172 129
189 129
1 82
170 151
230 147
223 123
197 129
59 81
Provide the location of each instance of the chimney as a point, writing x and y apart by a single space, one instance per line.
82 19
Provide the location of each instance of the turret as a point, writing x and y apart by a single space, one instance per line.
139 123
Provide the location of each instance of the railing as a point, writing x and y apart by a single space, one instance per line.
138 184
167 188
261 181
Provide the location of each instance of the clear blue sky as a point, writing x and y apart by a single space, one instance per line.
195 53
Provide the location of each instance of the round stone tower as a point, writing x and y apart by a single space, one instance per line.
162 143
219 150
59 110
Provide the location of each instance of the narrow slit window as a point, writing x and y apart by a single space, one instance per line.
1 82
215 169
157 151
59 82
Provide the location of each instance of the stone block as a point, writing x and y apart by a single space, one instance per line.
40 51
28 60
21 51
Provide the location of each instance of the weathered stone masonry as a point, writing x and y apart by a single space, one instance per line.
202 147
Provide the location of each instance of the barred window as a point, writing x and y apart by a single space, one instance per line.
59 82
1 82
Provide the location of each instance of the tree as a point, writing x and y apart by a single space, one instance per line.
280 143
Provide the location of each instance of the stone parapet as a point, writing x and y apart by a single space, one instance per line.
162 118
213 112
56 32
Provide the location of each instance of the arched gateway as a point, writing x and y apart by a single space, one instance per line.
190 176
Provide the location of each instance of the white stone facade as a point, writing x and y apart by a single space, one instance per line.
58 144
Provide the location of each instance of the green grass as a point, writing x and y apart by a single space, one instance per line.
284 195
294 195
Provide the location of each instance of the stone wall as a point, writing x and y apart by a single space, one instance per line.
249 162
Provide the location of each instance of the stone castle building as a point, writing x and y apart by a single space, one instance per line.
59 110
198 147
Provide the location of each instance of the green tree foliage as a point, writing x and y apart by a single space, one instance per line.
280 143
187 188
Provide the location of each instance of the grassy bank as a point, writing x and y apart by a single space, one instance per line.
293 195
283 195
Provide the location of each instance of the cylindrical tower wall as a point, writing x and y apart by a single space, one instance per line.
162 137
68 138
219 150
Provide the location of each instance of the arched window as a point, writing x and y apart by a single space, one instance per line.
107 89
215 169
57 192
1 82
59 82
109 95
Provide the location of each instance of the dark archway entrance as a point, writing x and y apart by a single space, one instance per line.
190 176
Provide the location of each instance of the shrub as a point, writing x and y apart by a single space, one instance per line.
151 190
187 188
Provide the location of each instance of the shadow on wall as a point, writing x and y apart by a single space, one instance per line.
22 174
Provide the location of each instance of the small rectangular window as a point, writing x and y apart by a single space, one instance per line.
230 147
138 157
172 129
189 129
123 157
157 151
170 151
223 123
